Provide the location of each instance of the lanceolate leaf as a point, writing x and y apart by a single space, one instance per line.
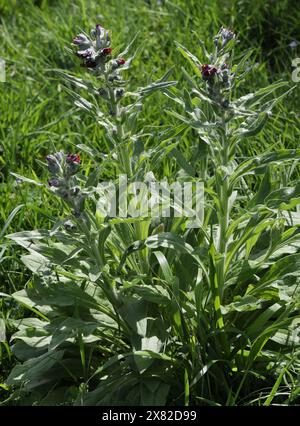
258 164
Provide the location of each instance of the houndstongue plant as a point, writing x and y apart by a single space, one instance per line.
83 317
127 312
247 301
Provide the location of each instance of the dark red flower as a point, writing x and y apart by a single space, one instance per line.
106 51
121 61
208 71
73 158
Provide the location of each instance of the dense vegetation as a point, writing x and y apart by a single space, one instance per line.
137 311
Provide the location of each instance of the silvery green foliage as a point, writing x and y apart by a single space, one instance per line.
110 99
63 181
131 314
96 53
210 107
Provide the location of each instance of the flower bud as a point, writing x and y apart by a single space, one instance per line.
106 51
103 93
226 35
56 183
73 163
69 226
73 158
82 41
120 93
98 35
117 63
121 61
53 165
98 29
74 191
113 77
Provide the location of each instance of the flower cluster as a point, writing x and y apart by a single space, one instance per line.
65 166
208 71
96 51
217 75
63 169
223 37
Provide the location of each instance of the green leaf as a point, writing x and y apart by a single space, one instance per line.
27 180
186 388
154 392
36 262
36 371
253 127
242 304
154 294
134 312
264 190
287 337
255 98
284 198
188 168
195 63
10 219
275 387
258 164
284 266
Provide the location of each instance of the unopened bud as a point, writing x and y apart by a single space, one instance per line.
56 183
106 51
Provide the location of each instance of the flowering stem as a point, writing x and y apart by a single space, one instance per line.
121 147
223 213
224 199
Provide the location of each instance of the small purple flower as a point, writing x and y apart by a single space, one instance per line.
73 158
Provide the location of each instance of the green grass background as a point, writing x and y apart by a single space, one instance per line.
37 115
